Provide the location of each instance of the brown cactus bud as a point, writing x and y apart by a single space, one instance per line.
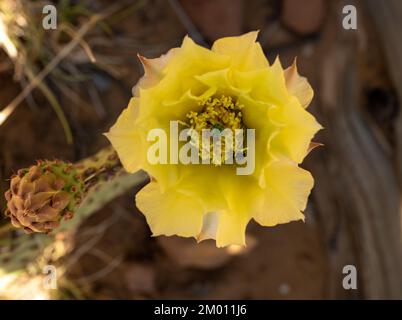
41 196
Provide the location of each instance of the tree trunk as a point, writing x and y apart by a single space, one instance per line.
357 195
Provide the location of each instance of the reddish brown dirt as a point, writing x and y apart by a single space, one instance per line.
287 262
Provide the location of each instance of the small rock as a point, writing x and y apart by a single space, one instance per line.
216 18
140 278
284 289
303 17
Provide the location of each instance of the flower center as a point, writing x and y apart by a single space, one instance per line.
219 113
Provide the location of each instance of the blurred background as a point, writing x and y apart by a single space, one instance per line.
61 89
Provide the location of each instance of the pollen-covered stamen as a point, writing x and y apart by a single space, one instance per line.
217 113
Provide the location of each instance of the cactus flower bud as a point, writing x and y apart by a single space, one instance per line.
40 196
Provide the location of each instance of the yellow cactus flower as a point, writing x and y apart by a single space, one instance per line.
231 86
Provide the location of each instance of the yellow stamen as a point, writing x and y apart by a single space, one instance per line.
217 113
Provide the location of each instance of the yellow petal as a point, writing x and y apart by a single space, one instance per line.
298 129
231 229
193 59
181 70
246 54
170 213
298 86
126 140
209 226
243 196
228 199
153 70
222 83
269 85
203 182
286 193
